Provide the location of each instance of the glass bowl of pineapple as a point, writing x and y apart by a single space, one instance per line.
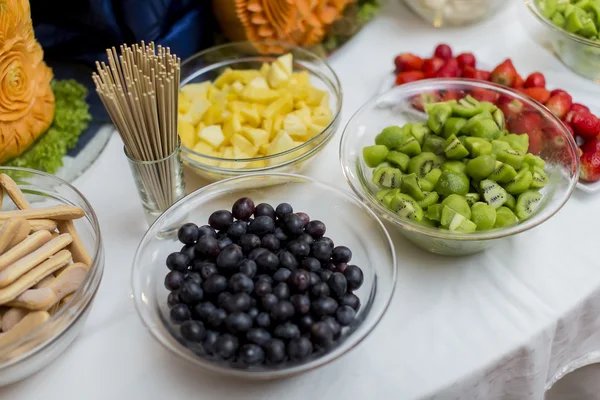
248 107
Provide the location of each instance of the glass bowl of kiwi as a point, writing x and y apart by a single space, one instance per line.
457 164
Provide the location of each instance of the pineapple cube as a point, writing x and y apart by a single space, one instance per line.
246 75
277 125
214 115
197 110
315 96
282 105
232 125
264 70
285 62
259 82
267 125
204 148
314 129
240 155
196 91
264 148
325 101
212 135
225 77
251 116
257 164
300 92
300 104
186 133
277 76
321 116
258 95
228 154
304 114
295 127
185 118
302 77
217 97
258 137
282 142
243 144
226 88
237 87
184 104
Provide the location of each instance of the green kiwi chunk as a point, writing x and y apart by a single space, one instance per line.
452 183
382 193
505 217
453 126
500 145
477 146
406 207
503 173
511 157
455 221
427 222
510 201
392 137
481 167
527 203
387 177
434 212
492 193
517 142
520 183
410 147
431 179
454 149
534 161
482 128
433 144
540 178
390 196
398 159
459 204
418 131
430 199
483 215
438 115
487 106
559 20
466 108
498 117
423 163
472 198
454 166
375 155
410 186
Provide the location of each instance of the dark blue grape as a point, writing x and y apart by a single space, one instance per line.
270 242
321 251
269 301
305 322
341 254
177 261
238 322
298 249
237 302
249 242
240 283
350 299
204 310
324 306
262 288
301 303
263 320
314 278
264 209
229 258
304 218
306 238
226 346
334 325
282 291
282 275
215 284
237 229
254 254
173 298
206 269
194 277
283 209
282 311
321 334
281 235
179 313
224 242
354 276
292 224
174 280
220 220
300 280
216 318
191 293
287 260
251 354
193 331
259 336
267 262
275 351
337 284
327 240
345 315
207 230
315 228
189 251
248 268
243 208
262 225
287 331
188 233
311 264
210 341
299 349
207 247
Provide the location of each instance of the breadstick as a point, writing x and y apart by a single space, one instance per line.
1 197
58 212
20 235
13 191
76 248
12 317
35 299
20 267
26 325
35 275
31 243
45 282
8 230
42 225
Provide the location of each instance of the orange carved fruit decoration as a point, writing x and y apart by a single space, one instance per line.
26 99
300 22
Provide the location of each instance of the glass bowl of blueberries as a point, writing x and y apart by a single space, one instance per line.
264 276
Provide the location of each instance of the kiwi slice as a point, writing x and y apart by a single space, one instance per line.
434 212
511 157
520 183
503 173
454 166
517 142
391 137
398 159
455 221
423 163
483 215
527 203
482 128
453 126
427 222
438 115
383 164
498 117
492 193
410 186
375 155
458 204
382 193
430 198
407 207
433 144
500 145
466 109
418 131
505 217
534 161
431 179
452 182
387 177
454 149
540 179
390 196
481 167
510 201
472 198
410 147
477 146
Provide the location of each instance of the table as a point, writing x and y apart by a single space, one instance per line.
499 325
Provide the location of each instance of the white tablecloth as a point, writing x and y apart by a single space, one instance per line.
499 325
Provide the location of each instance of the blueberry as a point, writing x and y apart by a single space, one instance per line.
224 242
300 280
177 261
327 240
251 354
237 229
240 283
304 217
282 275
220 220
283 209
207 247
341 254
321 334
282 291
262 225
264 209
282 311
305 322
298 248
243 208
315 228
340 267
314 278
324 306
275 351
248 268
287 260
292 224
334 325
321 289
194 277
191 293
259 336
287 331
262 288
338 284
264 277
229 258
281 235
207 230
210 341
179 313
268 262
226 346
174 280
239 302
253 312
206 269
325 274
263 320
254 254
238 322
204 310
173 298
301 303
269 301
306 238
215 284
188 233
270 242
192 331
223 298
345 315
216 318
299 349
321 251
354 276
311 264
189 251
249 242
350 299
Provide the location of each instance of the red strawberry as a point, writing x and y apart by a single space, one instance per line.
526 123
431 66
420 100
558 91
450 95
443 51
579 152
409 76
538 93
511 108
570 128
518 83
586 125
576 107
535 80
469 72
466 60
484 75
485 95
449 70
408 62
505 73
559 104
590 161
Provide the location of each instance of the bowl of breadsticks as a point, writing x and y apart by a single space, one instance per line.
51 263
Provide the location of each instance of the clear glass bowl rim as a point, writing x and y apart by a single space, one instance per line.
441 84
351 342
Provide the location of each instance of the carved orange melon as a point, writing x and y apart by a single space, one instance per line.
26 99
